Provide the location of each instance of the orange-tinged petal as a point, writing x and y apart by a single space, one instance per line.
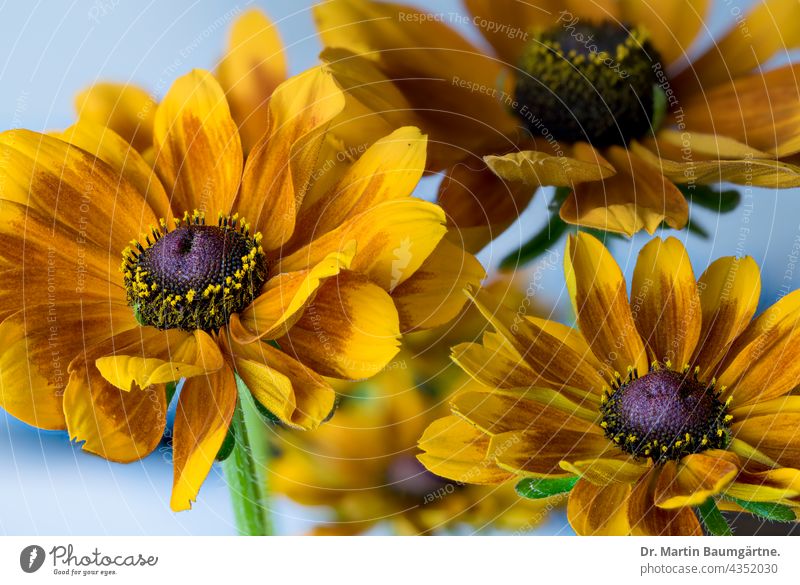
744 170
117 425
253 66
763 361
599 510
539 451
775 435
157 357
418 53
545 352
760 110
455 449
434 294
479 204
393 239
638 197
198 150
70 187
599 296
729 291
284 297
499 22
349 331
205 410
672 26
495 413
280 166
535 168
39 342
127 109
668 316
772 27
114 150
298 396
648 519
693 480
493 367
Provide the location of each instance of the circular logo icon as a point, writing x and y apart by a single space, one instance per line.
31 558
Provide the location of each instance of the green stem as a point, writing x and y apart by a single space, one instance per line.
245 469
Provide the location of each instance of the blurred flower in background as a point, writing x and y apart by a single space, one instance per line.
363 463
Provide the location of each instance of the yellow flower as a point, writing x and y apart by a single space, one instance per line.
251 267
650 408
570 96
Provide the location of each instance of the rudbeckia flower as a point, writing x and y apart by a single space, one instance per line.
654 410
121 279
595 97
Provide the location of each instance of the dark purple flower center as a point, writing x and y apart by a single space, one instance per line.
665 415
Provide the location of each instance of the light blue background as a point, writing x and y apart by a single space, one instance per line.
48 51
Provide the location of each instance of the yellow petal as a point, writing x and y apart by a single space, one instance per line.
767 486
693 480
205 410
389 169
393 239
126 109
283 297
600 299
434 295
599 510
454 449
114 150
668 316
606 470
535 168
253 66
159 357
729 291
298 396
349 331
647 519
117 425
198 150
281 165
638 197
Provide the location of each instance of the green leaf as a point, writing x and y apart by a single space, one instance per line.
713 519
228 444
695 228
659 108
172 387
534 247
536 489
767 510
706 197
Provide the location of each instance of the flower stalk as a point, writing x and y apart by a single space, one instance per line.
246 467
